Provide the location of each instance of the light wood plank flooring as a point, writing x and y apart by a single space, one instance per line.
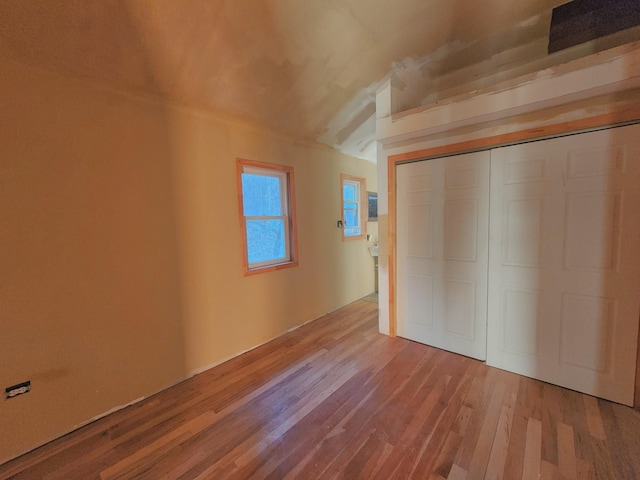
334 399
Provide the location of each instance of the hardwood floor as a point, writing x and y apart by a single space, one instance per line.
334 399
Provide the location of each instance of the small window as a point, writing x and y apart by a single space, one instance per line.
372 202
354 204
267 215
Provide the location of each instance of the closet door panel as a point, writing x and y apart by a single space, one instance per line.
564 281
443 208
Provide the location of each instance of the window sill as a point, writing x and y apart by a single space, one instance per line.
354 237
269 268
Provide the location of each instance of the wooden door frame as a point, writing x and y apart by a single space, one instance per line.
609 120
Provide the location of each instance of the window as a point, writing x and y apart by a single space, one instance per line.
372 203
354 201
267 216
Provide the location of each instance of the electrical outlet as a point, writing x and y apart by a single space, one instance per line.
18 389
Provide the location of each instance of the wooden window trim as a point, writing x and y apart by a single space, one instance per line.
291 205
363 206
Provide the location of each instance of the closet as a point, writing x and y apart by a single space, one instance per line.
527 256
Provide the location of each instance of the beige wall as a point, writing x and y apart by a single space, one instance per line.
223 309
120 248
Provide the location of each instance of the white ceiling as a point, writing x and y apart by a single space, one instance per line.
309 68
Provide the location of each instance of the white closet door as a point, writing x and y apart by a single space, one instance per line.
564 283
443 217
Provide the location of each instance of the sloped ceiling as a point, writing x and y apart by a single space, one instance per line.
309 68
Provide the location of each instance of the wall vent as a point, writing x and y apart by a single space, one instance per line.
579 21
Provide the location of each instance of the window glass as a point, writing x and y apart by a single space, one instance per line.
266 241
349 192
261 194
351 226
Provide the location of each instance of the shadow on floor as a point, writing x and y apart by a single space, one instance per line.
373 298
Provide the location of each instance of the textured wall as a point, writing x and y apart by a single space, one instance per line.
120 248
309 68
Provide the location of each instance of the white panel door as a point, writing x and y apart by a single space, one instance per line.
442 222
564 282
